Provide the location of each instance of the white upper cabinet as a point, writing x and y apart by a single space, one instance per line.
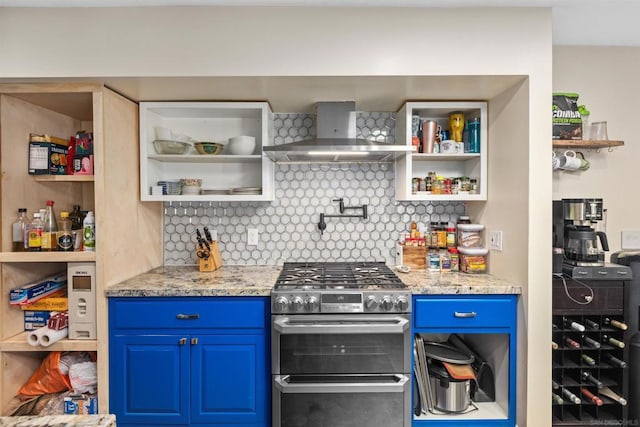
452 165
225 176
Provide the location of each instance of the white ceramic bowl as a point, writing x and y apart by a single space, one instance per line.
242 145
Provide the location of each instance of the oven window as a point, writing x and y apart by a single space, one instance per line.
342 410
341 354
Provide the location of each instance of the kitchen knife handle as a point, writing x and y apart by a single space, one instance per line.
464 315
187 316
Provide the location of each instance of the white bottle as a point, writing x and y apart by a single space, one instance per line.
89 232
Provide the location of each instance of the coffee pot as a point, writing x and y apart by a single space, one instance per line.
581 245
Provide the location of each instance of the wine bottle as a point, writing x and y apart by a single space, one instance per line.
615 323
588 360
592 397
606 391
555 385
572 343
591 342
586 375
556 399
614 342
614 360
591 324
572 397
574 325
554 345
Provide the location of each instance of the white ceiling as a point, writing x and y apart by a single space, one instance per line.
575 22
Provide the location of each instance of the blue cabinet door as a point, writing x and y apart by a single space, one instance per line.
229 382
149 379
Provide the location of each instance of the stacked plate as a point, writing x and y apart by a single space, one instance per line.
246 190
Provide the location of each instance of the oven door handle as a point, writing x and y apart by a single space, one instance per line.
397 385
391 325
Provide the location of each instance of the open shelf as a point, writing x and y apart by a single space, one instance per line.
486 411
53 256
442 156
578 143
197 158
19 343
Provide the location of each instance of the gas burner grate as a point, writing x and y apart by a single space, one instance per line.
337 275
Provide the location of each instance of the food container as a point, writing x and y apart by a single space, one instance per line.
470 235
163 146
473 260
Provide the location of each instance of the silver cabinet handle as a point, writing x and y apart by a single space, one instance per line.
387 384
187 316
182 341
622 273
464 315
194 341
583 273
602 273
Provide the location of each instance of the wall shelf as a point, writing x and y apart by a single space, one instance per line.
19 343
54 256
594 144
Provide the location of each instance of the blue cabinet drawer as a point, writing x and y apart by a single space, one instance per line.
189 313
463 312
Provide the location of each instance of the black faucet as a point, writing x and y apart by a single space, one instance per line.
323 225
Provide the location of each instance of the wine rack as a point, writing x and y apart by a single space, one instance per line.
591 357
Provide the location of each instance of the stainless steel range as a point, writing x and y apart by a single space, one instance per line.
341 343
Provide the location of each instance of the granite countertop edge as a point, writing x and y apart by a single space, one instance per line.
187 281
59 421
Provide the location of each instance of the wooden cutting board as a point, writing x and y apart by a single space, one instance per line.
460 372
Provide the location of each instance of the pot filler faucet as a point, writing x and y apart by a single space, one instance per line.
323 225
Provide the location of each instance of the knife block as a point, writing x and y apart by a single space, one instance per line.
214 261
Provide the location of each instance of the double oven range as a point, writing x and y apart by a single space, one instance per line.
340 346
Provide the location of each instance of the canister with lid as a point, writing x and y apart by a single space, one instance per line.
473 260
470 235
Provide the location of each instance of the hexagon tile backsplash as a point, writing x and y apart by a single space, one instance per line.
288 226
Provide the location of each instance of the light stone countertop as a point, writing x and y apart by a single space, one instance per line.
258 281
59 421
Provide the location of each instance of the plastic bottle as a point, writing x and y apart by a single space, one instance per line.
474 136
17 230
89 232
49 229
35 233
65 238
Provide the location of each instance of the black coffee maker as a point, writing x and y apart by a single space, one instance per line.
574 232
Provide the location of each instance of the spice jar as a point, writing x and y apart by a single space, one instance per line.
455 259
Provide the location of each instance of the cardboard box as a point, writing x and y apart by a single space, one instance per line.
35 291
47 155
80 404
35 319
83 156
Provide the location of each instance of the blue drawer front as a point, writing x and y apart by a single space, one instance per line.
462 312
190 313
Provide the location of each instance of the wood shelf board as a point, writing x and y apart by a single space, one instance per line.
201 158
595 144
19 343
54 256
63 178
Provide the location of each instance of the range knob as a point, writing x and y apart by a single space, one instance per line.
281 304
402 303
312 304
298 304
371 303
387 304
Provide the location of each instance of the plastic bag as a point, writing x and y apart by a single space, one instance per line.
47 378
83 377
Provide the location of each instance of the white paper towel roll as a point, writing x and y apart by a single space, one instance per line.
51 335
33 337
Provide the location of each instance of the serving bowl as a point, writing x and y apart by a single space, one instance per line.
208 147
164 146
242 145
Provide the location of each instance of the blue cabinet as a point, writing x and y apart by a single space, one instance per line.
488 324
189 361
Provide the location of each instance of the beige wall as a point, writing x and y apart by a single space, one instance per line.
606 78
205 41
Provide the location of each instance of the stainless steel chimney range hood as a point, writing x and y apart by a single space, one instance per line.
336 141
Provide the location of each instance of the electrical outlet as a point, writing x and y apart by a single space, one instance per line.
252 237
495 240
630 239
